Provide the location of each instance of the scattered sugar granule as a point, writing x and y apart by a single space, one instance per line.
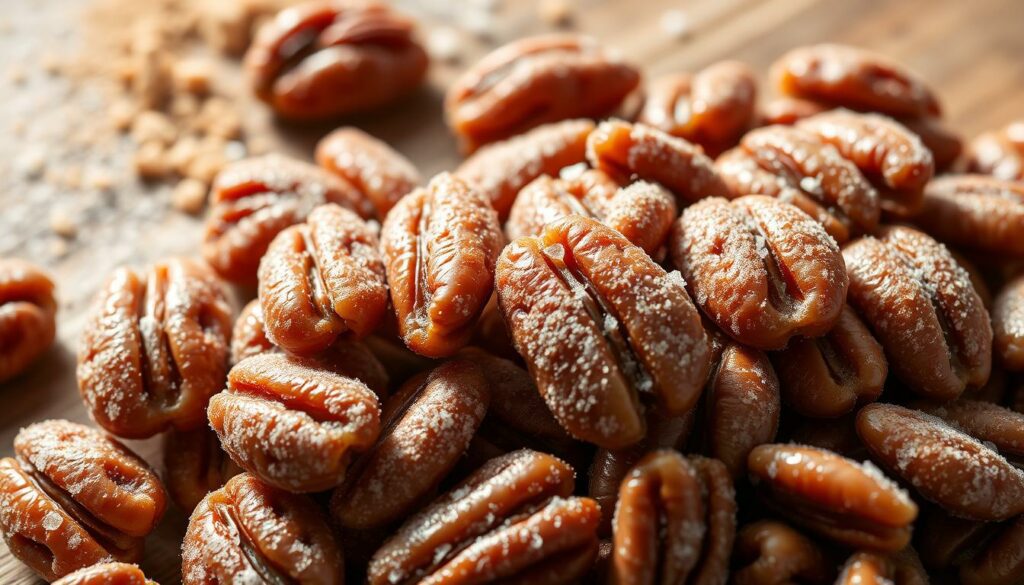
675 23
63 224
52 521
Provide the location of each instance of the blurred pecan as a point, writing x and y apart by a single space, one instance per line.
378 171
27 315
999 153
771 553
977 213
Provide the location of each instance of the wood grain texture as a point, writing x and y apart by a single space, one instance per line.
970 51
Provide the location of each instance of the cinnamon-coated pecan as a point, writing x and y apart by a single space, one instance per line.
534 81
249 532
73 497
512 519
629 152
944 465
107 574
977 213
602 329
252 200
155 348
923 309
331 58
195 465
439 245
772 553
761 269
999 153
378 171
292 423
428 425
320 280
27 315
850 503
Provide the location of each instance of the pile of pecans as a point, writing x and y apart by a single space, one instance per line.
721 342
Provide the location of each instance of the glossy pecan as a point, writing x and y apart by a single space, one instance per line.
73 497
999 153
841 75
320 280
712 107
512 519
945 144
195 465
674 522
602 329
27 315
1008 325
771 553
534 81
155 348
253 200
994 425
428 425
976 213
827 376
629 152
107 574
850 503
893 158
321 59
800 168
501 169
921 306
642 212
439 246
293 423
760 269
249 532
944 465
378 171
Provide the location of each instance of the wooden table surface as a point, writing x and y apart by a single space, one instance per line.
972 52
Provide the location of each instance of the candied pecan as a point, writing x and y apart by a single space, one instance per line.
73 498
760 269
712 107
992 424
501 169
922 308
512 519
27 315
252 200
1008 325
249 532
977 213
533 81
1001 560
789 110
427 427
321 59
195 465
629 152
320 280
292 423
107 574
740 408
155 348
602 329
674 521
797 167
943 142
890 156
439 245
772 553
846 76
643 212
378 171
827 376
946 466
850 503
999 153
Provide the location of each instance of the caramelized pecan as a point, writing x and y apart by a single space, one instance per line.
195 465
994 425
27 315
977 213
999 153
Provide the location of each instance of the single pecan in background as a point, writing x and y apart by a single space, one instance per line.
439 245
976 213
320 280
28 313
769 552
155 348
72 498
999 153
252 200
322 59
602 328
249 532
534 81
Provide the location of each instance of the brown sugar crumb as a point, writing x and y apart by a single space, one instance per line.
63 224
193 75
555 12
150 161
189 196
152 126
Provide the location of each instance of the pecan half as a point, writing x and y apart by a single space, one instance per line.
602 328
977 213
195 465
999 153
994 425
27 315
155 348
